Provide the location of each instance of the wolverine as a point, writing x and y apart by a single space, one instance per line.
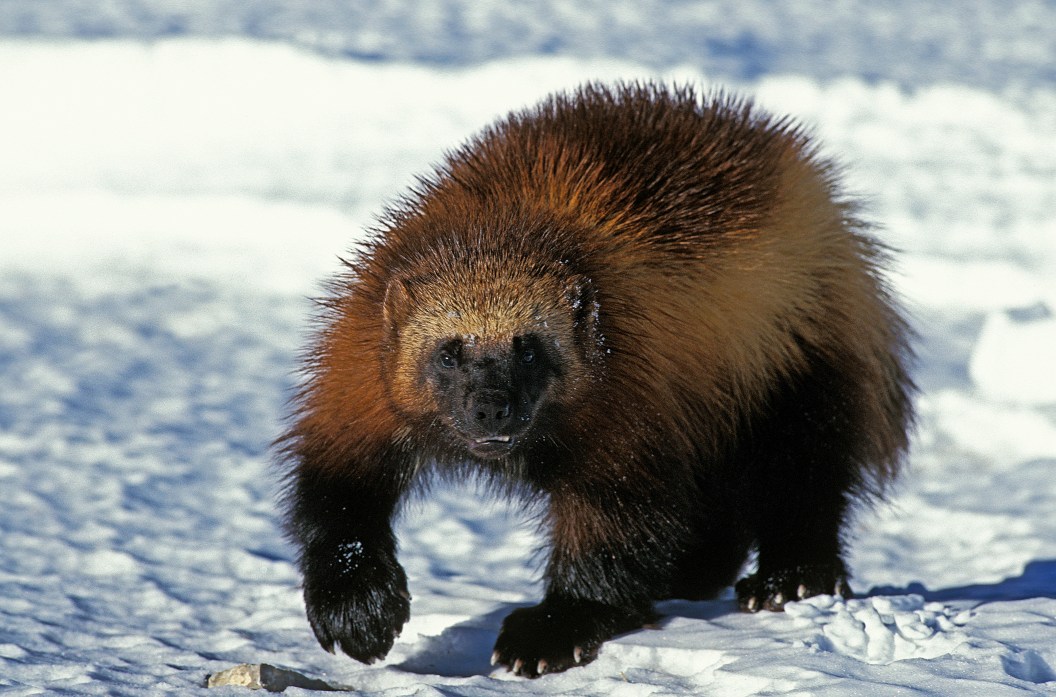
651 311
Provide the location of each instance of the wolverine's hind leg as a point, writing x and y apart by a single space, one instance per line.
804 465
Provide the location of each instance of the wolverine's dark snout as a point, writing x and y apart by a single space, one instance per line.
490 412
491 423
488 393
497 406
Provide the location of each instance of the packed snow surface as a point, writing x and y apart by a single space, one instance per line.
165 210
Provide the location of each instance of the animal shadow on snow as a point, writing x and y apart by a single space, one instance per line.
1038 580
461 650
464 649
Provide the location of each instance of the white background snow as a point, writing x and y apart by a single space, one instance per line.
169 198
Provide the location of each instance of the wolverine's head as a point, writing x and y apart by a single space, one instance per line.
487 351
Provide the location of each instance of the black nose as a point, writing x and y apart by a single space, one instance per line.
489 411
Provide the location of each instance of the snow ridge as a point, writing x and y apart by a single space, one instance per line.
881 629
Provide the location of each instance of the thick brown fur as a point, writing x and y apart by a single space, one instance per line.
724 368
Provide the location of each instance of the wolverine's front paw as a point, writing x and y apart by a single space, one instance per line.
362 613
771 591
559 634
363 623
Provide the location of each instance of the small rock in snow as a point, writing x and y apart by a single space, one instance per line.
261 676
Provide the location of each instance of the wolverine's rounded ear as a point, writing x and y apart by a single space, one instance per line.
399 298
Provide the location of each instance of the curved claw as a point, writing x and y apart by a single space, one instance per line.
771 591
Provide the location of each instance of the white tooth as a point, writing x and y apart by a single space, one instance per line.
801 591
540 668
517 665
779 599
494 657
752 603
577 654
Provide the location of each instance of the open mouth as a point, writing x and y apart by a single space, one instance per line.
490 446
492 439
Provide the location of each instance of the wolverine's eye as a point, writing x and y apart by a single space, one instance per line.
447 360
528 356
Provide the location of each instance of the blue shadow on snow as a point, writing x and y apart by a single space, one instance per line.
1038 580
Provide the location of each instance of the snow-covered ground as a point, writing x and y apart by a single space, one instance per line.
165 209
992 43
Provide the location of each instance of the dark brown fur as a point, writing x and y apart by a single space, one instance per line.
724 368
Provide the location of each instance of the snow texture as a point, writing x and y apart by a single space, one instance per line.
984 42
171 194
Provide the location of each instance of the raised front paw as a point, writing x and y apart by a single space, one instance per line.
771 591
559 634
360 613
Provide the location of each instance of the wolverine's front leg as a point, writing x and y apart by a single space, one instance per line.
611 557
355 591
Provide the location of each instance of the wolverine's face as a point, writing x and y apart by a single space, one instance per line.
488 365
488 394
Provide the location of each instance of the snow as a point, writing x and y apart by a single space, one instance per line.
1014 349
909 42
167 206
